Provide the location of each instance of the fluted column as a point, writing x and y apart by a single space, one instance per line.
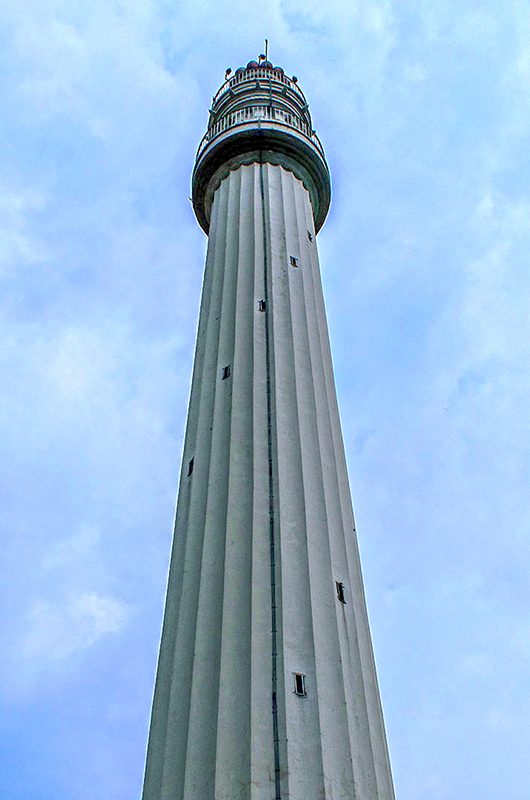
264 529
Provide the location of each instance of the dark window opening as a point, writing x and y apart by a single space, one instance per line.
340 592
226 372
262 305
299 684
310 236
190 466
294 261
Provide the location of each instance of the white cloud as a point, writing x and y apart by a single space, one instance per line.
19 246
57 630
53 636
65 553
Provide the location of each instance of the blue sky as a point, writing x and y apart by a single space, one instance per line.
424 111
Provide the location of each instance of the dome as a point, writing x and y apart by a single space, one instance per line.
239 70
252 65
266 65
279 70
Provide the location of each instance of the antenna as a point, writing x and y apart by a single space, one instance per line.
266 49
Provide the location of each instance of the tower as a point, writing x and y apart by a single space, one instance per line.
266 686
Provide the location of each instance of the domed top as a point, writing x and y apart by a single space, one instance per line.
262 63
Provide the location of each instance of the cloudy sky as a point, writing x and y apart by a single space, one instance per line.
423 107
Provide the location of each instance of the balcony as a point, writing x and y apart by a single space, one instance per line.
268 114
253 75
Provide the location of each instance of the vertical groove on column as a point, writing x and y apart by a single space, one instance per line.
337 553
233 724
338 556
354 707
154 764
202 738
184 660
272 527
362 745
334 722
261 733
273 425
319 560
178 701
359 640
303 716
263 772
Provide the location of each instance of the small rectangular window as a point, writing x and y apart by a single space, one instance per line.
340 592
299 684
190 467
310 236
294 261
262 305
226 372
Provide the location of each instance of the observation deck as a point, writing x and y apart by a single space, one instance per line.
260 114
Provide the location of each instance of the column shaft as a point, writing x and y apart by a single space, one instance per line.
214 715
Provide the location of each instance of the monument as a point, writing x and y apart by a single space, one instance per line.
266 686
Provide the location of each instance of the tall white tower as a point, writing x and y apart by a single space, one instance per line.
266 686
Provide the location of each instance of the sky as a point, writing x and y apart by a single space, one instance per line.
423 108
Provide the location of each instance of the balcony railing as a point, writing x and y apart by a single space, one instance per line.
256 113
258 74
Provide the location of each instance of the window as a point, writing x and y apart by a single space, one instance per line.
262 305
294 261
299 684
226 372
340 592
190 467
310 236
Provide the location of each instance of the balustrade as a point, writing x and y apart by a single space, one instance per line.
249 114
258 74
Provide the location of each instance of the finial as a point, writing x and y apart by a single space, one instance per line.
266 49
227 73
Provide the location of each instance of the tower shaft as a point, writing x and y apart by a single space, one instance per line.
266 686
